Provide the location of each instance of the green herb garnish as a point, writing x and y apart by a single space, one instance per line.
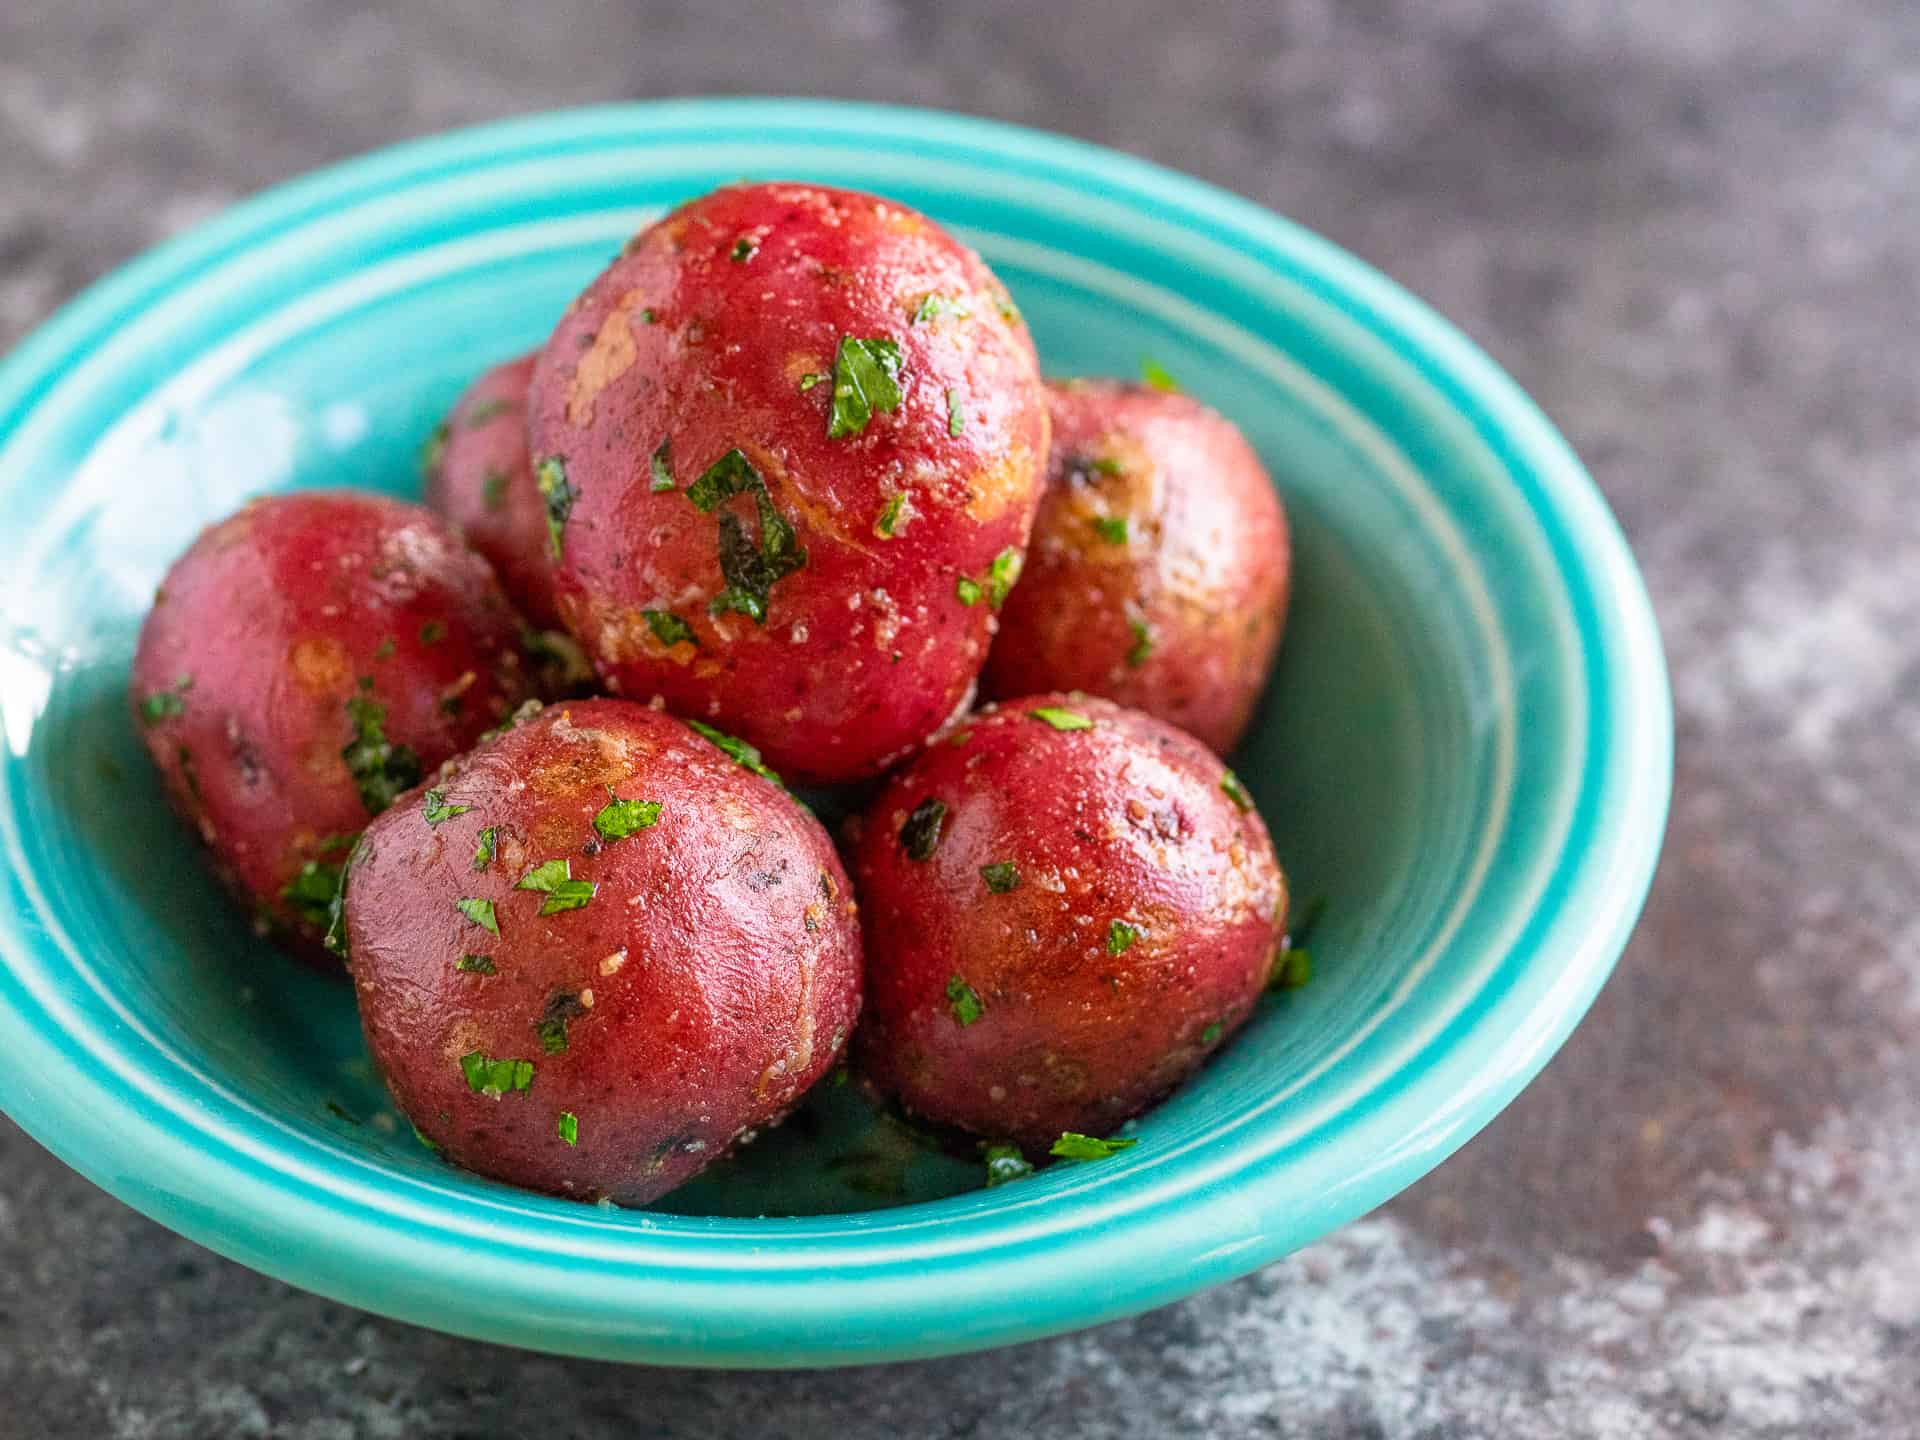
1061 719
433 632
920 835
559 493
811 379
1210 1034
475 964
492 408
1001 575
1292 968
1120 937
750 570
569 1127
1142 646
1111 528
313 891
741 752
1236 792
479 911
434 450
421 1136
483 851
436 808
495 1078
660 464
554 879
493 487
1074 1146
934 304
384 650
166 704
553 1034
967 589
956 417
1001 876
620 818
1009 311
866 378
964 1001
668 628
890 515
1004 1163
650 315
732 474
1155 374
743 249
380 770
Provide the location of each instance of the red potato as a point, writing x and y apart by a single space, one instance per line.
479 477
597 952
792 442
1068 906
1159 571
305 661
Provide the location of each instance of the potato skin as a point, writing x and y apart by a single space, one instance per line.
479 477
296 620
1181 615
699 338
1130 823
713 976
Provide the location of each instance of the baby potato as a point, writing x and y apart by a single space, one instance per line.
1159 571
599 950
307 660
791 443
479 477
1068 905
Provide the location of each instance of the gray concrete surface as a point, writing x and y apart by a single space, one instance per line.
1692 230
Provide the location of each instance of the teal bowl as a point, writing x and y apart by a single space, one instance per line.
1466 749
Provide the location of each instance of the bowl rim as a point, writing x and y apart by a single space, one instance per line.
679 1294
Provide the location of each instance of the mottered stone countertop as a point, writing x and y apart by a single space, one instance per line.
1692 231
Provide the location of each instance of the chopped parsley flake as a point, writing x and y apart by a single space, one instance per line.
743 249
620 818
1106 465
436 808
313 892
559 493
964 1001
483 851
934 304
1292 968
1005 1163
811 379
1236 792
956 417
421 1136
1061 719
493 488
1073 1146
492 408
742 753
669 629
480 912
553 1034
750 570
1142 646
475 964
495 1078
967 589
434 450
554 879
890 515
1002 574
569 1127
1155 374
661 465
732 474
920 835
166 704
380 770
866 378
433 632
1111 528
1120 937
1001 876
1210 1034
384 650
650 315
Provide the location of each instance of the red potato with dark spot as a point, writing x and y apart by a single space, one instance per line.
1068 905
305 661
597 952
793 439
479 477
1160 566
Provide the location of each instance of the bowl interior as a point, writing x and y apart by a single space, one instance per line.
1425 754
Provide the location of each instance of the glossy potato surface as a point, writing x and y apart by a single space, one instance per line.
597 952
1160 566
306 660
794 438
1068 906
